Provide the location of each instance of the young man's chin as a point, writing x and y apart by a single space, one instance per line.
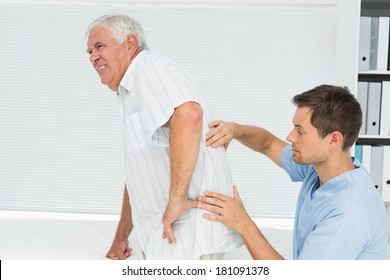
298 160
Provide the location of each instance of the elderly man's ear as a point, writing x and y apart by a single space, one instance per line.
132 44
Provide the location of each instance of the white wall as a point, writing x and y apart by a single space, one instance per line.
60 134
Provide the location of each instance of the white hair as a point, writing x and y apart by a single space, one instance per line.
120 26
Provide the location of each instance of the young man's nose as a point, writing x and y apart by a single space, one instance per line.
290 137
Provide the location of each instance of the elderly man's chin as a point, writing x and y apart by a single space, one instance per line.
111 85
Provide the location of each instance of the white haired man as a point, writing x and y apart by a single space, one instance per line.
167 162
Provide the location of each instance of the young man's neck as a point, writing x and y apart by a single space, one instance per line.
334 166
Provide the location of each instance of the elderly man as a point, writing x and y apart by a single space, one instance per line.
167 162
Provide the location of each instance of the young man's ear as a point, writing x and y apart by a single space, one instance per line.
132 44
336 139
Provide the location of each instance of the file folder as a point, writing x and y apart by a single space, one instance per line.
362 98
384 127
383 43
373 108
386 174
364 43
377 167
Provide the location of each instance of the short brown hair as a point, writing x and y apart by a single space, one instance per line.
333 108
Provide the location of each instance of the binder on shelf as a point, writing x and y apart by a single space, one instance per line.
364 43
359 152
373 108
386 174
362 96
366 158
376 169
384 128
383 43
374 43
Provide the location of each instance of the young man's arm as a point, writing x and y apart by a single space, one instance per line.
231 212
255 138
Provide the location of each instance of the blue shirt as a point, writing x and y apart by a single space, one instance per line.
344 219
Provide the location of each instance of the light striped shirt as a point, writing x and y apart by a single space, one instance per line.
152 87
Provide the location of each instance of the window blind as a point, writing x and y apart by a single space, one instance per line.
60 129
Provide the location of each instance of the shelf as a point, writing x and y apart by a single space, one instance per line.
374 72
374 76
375 8
374 140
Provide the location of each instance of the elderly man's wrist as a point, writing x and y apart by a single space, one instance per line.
177 198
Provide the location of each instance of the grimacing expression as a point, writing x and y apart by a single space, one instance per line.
109 58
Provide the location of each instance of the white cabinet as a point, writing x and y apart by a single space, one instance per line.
375 18
374 92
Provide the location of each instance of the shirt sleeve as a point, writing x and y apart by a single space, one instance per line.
341 237
165 86
297 172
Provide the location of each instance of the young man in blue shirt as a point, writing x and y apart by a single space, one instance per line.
340 214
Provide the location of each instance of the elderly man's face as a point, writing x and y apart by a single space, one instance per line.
109 58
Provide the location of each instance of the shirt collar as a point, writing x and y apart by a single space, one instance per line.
123 83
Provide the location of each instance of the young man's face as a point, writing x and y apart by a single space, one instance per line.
308 147
109 58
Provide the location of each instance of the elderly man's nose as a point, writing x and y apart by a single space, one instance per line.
94 57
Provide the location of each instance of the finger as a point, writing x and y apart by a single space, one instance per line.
219 196
165 236
212 141
211 217
212 201
113 253
214 123
235 193
111 256
219 142
120 255
209 207
169 232
128 252
213 135
210 135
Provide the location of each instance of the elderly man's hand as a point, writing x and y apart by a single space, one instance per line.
173 211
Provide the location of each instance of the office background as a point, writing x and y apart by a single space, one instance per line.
60 129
